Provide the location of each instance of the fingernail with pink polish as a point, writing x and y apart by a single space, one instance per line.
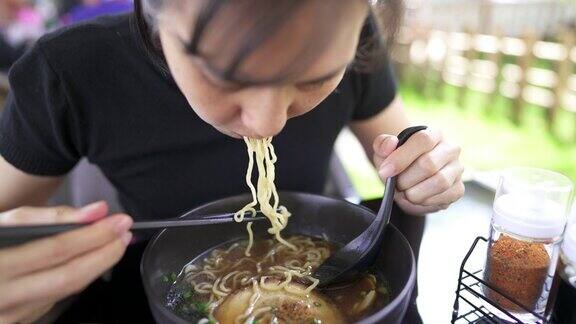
127 238
87 212
123 224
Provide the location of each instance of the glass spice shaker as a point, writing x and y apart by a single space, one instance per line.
564 306
529 217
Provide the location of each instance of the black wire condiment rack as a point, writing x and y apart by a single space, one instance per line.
472 306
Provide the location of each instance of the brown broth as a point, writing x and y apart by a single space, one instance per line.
191 294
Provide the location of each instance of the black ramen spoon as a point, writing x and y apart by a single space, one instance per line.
361 252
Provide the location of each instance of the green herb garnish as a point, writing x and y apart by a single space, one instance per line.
200 307
170 277
187 294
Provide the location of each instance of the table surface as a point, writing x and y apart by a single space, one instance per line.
447 237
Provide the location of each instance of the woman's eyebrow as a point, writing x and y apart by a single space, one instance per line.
246 83
216 73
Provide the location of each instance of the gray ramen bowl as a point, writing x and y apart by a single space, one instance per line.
318 216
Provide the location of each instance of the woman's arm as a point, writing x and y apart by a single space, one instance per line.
21 189
391 120
428 169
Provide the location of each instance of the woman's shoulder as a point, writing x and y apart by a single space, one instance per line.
90 43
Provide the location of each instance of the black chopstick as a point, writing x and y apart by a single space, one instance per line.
11 235
209 220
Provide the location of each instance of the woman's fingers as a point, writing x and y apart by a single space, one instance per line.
26 313
447 197
50 215
438 183
63 280
415 209
36 274
51 251
401 158
427 165
383 145
428 169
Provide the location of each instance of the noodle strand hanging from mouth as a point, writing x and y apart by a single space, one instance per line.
265 193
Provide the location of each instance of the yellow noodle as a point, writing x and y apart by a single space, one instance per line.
366 302
255 313
229 275
313 255
250 239
312 279
241 261
216 291
246 280
235 278
190 267
231 247
265 194
296 290
239 216
274 286
202 290
223 282
324 252
203 272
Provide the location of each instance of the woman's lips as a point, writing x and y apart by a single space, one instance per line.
228 132
235 134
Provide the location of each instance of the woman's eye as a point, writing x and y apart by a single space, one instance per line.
312 85
221 85
225 86
214 82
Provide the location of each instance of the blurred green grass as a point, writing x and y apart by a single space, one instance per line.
488 137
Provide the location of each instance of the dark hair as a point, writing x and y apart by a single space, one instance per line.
377 35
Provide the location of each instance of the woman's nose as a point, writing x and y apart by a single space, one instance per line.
265 112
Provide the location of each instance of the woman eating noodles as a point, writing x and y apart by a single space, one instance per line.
160 100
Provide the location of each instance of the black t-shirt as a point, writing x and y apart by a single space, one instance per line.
91 91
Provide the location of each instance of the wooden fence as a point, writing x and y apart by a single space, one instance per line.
526 70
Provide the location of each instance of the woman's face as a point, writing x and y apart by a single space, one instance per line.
258 110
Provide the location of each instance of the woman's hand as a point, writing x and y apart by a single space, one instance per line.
35 275
428 169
